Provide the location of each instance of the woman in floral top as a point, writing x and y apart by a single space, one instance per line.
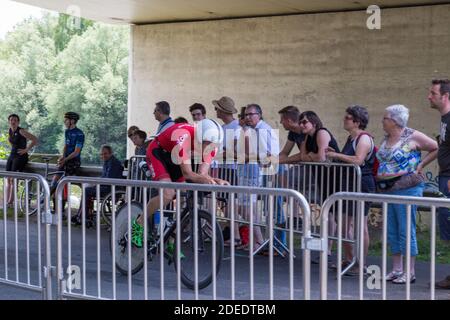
400 173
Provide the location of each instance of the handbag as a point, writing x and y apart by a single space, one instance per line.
405 181
386 184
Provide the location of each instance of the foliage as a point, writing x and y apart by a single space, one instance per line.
49 68
4 146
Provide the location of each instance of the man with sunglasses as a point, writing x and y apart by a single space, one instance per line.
258 144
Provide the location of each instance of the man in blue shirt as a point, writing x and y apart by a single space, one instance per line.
70 161
162 115
113 169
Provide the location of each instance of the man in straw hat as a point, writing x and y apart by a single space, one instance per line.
225 111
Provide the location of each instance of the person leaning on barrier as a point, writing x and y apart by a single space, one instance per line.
359 149
131 130
400 172
439 97
313 149
290 120
18 158
177 143
318 138
112 169
260 146
139 138
225 110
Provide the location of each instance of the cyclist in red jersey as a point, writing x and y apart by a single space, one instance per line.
170 157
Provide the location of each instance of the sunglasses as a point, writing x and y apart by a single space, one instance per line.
304 122
251 114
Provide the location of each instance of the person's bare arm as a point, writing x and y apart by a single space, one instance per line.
323 139
62 156
303 155
425 143
284 154
28 136
363 148
294 158
190 175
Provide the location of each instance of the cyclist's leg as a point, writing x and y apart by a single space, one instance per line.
55 180
162 168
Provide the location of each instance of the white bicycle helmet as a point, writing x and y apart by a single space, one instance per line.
208 130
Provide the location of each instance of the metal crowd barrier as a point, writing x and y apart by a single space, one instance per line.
26 259
380 277
97 256
134 171
137 172
315 181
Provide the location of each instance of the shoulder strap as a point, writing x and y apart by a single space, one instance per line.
355 143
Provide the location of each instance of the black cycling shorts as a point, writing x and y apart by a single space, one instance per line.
71 167
17 163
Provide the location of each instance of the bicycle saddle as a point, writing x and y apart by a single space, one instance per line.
47 158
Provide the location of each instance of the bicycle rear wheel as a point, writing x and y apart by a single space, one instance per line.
204 251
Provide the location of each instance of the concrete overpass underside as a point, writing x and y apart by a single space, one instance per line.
316 54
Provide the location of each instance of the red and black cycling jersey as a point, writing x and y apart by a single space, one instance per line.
172 147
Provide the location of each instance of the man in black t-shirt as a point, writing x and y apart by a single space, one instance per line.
289 118
439 97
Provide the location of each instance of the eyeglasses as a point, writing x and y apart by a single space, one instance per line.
196 114
251 114
304 122
348 118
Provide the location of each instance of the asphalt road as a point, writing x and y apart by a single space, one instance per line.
94 283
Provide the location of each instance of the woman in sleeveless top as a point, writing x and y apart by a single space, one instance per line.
313 149
18 157
400 173
359 150
318 138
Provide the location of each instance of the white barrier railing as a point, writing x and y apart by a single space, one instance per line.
384 200
316 181
21 233
198 261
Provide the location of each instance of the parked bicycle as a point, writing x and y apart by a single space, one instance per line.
33 192
186 250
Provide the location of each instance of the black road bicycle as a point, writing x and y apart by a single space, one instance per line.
186 225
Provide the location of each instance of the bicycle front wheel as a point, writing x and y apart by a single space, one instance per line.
126 260
204 251
32 198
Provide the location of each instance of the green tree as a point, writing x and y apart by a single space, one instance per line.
92 80
49 69
67 27
5 147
